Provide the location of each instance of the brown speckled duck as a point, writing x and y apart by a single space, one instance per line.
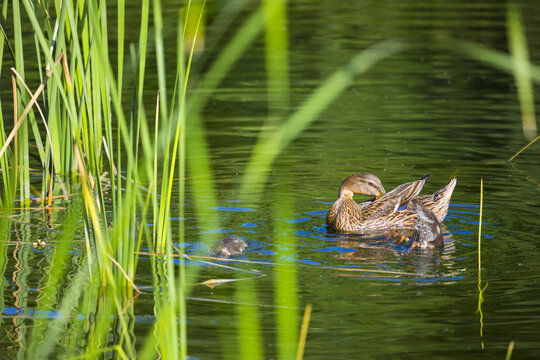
231 245
381 212
427 231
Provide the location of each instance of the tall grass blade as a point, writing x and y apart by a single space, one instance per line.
286 283
277 62
21 143
494 58
480 288
510 350
120 44
160 56
304 332
248 320
521 68
268 148
501 61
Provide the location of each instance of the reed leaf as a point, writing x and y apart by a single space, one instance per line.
269 147
521 68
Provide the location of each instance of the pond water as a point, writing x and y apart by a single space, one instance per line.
428 109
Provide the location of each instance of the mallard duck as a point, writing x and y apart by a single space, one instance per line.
427 231
381 212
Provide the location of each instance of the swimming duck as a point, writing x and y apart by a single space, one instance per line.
381 212
427 231
232 245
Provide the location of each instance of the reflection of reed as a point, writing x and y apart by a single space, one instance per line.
17 334
527 175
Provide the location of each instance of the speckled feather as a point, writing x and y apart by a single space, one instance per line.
439 201
427 231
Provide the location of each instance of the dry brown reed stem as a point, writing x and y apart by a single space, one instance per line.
124 273
51 180
33 100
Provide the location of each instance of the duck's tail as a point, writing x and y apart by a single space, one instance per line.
439 201
408 191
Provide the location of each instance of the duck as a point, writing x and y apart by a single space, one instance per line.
427 231
384 211
229 246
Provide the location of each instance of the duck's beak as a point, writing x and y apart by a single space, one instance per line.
379 195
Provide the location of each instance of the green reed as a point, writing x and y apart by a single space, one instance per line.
517 63
521 68
286 286
125 173
481 289
7 176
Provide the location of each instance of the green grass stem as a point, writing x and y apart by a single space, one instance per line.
510 350
269 147
481 289
303 332
248 321
277 62
521 68
286 282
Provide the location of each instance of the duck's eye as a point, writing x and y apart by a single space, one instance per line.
371 183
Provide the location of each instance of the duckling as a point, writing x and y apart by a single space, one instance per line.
232 245
427 231
380 213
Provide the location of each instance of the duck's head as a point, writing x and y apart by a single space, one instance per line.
363 184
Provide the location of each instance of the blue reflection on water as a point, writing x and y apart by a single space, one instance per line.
336 248
268 252
310 262
464 205
319 212
462 232
232 208
298 220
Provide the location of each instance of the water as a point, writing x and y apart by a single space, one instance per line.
426 110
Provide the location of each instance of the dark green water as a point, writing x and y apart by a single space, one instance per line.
426 110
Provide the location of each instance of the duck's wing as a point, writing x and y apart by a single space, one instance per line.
380 208
408 191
